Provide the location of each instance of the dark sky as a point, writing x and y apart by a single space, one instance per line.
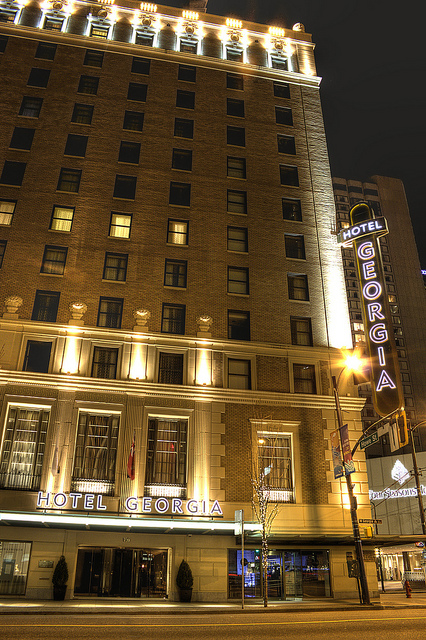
371 57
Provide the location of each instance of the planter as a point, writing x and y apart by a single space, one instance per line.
185 595
59 591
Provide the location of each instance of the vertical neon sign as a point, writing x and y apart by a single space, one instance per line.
385 375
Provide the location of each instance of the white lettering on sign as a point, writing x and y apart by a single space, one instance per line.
93 502
364 228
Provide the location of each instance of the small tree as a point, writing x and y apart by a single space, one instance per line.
60 574
184 579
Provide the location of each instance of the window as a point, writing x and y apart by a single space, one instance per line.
37 356
23 448
297 286
177 232
69 180
236 136
292 209
45 307
120 225
93 58
141 65
304 378
232 53
129 152
175 273
125 187
3 40
283 115
185 99
8 15
301 331
238 280
180 194
62 218
82 113
237 201
281 90
104 363
54 259
46 50
137 92
76 145
275 466
22 138
115 267
95 453
187 73
133 120
294 246
234 81
3 244
38 77
30 107
182 159
289 175
239 374
279 63
88 84
145 39
235 107
166 455
7 209
98 31
170 368
237 239
110 312
236 167
13 173
188 46
53 24
239 325
14 554
173 318
184 128
286 144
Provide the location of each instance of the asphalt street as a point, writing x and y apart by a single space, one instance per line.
359 625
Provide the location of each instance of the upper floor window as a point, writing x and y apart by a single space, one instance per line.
53 23
88 84
236 167
185 99
238 280
137 91
236 136
239 325
180 194
120 225
281 90
13 173
301 331
235 81
115 267
292 209
46 305
37 356
182 159
54 260
82 113
3 39
235 107
275 466
30 107
93 58
145 39
129 152
125 187
104 363
177 232
184 128
170 368
294 246
304 378
62 218
3 244
237 239
133 120
173 318
236 201
110 312
187 73
297 286
22 138
283 115
38 77
286 144
141 65
289 175
76 145
239 373
175 273
69 180
7 209
46 50
166 454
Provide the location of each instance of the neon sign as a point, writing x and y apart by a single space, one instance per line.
133 504
385 377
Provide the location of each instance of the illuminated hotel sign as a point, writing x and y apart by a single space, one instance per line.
385 377
144 506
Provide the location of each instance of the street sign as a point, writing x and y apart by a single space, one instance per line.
370 521
371 439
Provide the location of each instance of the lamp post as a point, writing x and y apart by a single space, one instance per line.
353 507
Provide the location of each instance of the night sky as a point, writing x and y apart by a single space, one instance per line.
371 58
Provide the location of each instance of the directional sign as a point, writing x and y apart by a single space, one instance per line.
371 439
370 521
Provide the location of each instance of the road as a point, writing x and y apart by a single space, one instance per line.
403 624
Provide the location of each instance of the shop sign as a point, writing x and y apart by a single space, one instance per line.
133 504
408 492
385 376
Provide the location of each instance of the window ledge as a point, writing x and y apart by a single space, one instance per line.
241 253
239 295
299 301
52 275
234 213
175 244
58 231
114 281
298 259
134 164
166 286
236 178
180 206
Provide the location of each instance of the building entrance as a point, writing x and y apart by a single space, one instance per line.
125 573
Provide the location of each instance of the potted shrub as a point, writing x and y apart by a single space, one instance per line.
184 582
60 579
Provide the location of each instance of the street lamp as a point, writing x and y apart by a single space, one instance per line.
352 503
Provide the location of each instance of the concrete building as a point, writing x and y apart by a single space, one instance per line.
172 288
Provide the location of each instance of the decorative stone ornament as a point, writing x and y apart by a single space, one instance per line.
204 323
78 309
12 304
141 316
299 27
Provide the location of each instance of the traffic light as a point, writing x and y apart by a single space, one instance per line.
402 430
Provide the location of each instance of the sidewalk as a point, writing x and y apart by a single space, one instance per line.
107 606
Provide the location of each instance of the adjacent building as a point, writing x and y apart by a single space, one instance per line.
174 306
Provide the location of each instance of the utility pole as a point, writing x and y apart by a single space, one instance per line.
416 475
353 508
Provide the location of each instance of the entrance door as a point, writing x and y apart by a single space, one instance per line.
124 573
